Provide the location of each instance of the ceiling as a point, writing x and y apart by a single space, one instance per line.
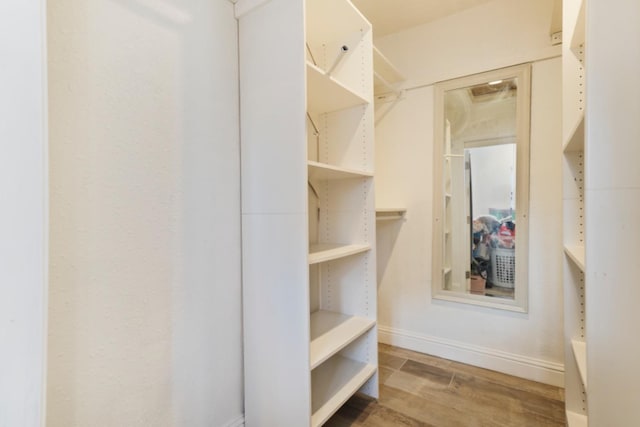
390 16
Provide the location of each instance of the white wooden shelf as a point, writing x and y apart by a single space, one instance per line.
576 254
387 214
326 252
324 172
333 383
386 76
331 332
575 141
580 354
576 420
325 94
578 35
332 20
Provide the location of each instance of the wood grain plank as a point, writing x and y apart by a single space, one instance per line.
422 390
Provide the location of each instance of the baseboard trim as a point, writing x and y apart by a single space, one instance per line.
238 422
509 363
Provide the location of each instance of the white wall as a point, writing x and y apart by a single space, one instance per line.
145 302
529 345
23 212
493 35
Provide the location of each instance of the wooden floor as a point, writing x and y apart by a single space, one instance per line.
421 390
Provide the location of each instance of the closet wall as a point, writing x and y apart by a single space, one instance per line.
145 301
506 32
23 177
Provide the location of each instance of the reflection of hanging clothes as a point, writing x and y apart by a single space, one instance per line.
507 235
483 228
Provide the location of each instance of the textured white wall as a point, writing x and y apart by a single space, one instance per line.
23 212
522 344
145 302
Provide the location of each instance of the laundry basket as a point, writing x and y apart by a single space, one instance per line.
503 267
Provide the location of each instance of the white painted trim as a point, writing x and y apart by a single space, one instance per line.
242 7
238 422
509 363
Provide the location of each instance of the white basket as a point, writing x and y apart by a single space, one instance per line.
503 267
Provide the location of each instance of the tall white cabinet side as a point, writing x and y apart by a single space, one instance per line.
274 215
612 198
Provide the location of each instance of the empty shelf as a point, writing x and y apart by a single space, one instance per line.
326 94
575 141
580 354
576 420
385 214
576 254
331 332
327 252
322 171
578 34
333 383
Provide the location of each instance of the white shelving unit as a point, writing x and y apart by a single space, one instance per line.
323 252
574 108
309 266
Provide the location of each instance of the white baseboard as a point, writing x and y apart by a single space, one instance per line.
238 422
513 364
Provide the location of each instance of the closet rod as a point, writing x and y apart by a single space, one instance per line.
344 49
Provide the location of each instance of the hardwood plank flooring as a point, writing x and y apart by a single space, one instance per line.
418 390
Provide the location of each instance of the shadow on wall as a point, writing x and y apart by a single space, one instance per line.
387 233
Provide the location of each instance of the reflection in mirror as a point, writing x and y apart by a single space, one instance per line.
479 175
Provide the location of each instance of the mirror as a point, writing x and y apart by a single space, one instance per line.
481 166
